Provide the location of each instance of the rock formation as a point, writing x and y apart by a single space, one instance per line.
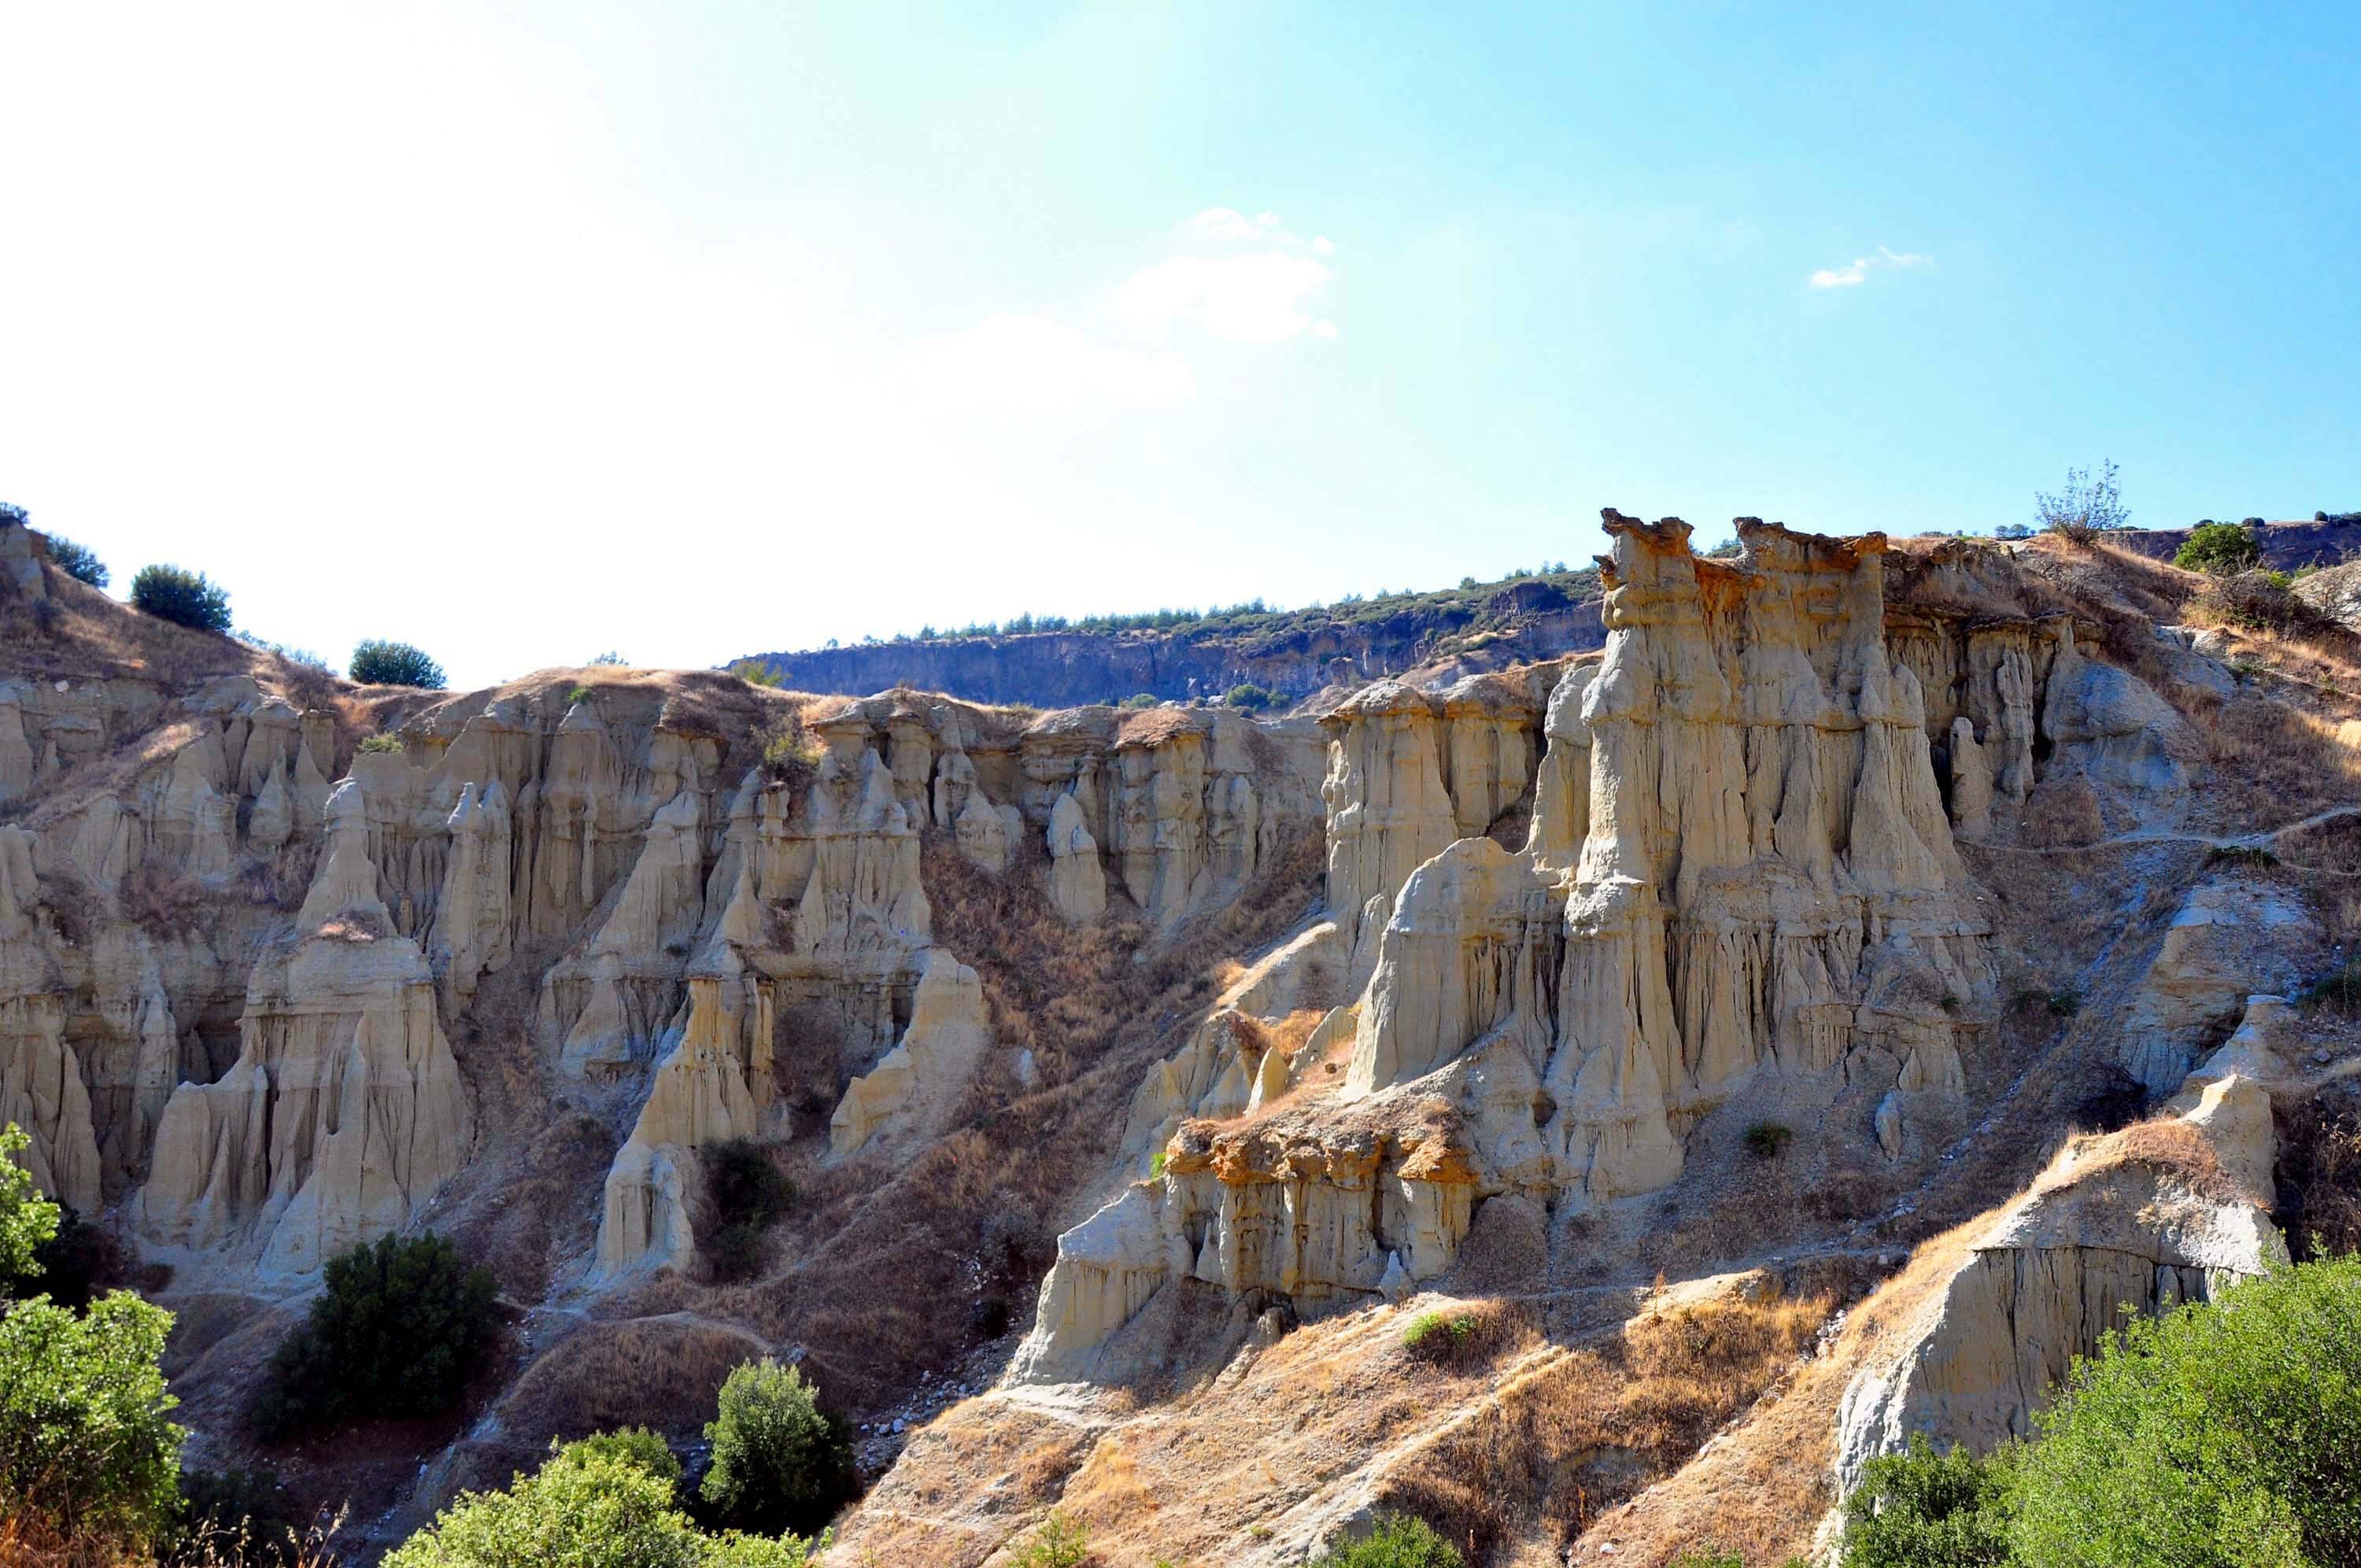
2139 1221
913 1092
343 1111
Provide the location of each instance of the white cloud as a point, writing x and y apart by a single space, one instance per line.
1244 299
1857 272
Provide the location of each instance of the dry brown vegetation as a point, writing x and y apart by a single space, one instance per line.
1582 1429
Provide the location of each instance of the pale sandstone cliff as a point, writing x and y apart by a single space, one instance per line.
1782 853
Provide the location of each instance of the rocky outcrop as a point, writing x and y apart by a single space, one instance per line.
912 1092
1315 1207
343 1111
2231 933
42 1088
2163 1212
1767 877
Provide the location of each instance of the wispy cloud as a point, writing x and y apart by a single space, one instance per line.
1240 278
1856 272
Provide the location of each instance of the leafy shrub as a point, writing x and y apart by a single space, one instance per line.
588 1506
86 1451
78 562
1139 700
1727 550
637 1445
2012 531
745 1194
1921 1509
183 598
2262 602
386 742
753 671
1400 1541
2228 1432
1434 1335
2085 508
1708 1556
779 1462
75 1263
2063 1002
2253 855
1768 1140
398 1331
1249 698
2222 549
790 756
378 663
1061 1543
2339 990
28 1220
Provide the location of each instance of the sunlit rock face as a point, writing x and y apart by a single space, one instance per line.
1736 859
1765 875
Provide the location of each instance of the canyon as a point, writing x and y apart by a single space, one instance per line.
1882 952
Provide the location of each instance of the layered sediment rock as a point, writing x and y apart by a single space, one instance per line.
344 1110
2136 1221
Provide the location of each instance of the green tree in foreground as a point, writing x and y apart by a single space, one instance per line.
2222 1435
398 1331
180 597
779 1462
2223 549
1922 1509
87 1456
378 663
600 1503
1398 1541
2227 1433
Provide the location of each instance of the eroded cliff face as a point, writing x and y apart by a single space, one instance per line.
1788 853
1735 859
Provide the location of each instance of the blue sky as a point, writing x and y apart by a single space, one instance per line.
527 331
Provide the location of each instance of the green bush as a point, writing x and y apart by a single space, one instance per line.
745 1195
790 756
28 1221
636 1445
398 1331
389 744
1434 1335
1061 1543
1708 1556
1251 698
2222 1433
78 562
1921 1509
1398 1541
378 663
753 671
74 1265
1768 1140
2338 989
86 1449
1139 700
588 1506
180 597
2223 549
779 1462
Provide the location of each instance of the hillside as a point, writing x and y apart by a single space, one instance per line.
1179 656
1798 1019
